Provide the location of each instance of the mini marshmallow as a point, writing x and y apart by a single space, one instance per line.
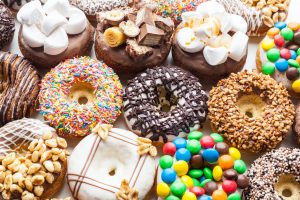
187 16
31 13
239 45
215 56
61 6
238 23
225 22
210 8
52 21
188 42
33 36
57 42
77 21
223 40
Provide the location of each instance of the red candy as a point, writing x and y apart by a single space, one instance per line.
169 149
207 142
198 191
229 186
285 53
279 40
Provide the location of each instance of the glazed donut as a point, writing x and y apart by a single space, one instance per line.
251 110
164 102
78 94
34 160
107 168
210 42
278 55
202 167
19 88
275 175
7 26
260 15
53 33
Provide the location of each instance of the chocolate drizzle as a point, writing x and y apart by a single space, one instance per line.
7 25
142 103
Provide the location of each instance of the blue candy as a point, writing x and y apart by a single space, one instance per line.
280 25
282 65
168 175
180 143
205 197
210 155
202 179
183 154
293 54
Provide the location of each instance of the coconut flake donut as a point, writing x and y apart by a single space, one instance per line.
7 26
275 175
107 167
78 94
33 160
164 102
251 110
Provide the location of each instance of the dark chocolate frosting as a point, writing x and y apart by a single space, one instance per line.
7 25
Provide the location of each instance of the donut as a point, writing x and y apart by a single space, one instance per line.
15 5
19 87
201 167
164 102
275 175
259 14
210 42
111 167
251 110
278 55
131 41
7 26
53 33
33 160
78 94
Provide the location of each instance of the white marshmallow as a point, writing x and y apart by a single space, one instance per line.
203 32
238 23
61 6
77 22
52 21
188 42
31 13
239 45
186 16
32 35
57 42
210 8
223 40
225 22
215 56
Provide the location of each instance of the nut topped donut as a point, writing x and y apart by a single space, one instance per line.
78 94
251 110
164 102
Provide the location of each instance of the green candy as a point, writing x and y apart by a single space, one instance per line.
193 146
293 63
166 161
234 196
208 173
204 182
217 137
195 173
273 55
287 34
178 188
268 68
298 52
172 197
240 166
196 182
195 135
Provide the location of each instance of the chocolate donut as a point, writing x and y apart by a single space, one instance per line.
164 102
19 87
275 175
7 25
296 127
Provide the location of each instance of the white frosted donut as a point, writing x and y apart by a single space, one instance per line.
97 167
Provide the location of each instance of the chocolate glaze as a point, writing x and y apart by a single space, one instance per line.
7 25
79 45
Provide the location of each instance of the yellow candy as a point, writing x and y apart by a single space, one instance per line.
234 153
189 196
217 173
267 44
181 167
296 86
162 190
187 181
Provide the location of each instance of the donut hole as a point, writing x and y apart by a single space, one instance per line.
83 100
287 187
112 172
82 93
167 101
251 105
287 193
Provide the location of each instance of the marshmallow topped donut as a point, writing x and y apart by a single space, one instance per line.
111 167
53 32
210 42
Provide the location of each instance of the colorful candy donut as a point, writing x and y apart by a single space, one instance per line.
78 94
202 167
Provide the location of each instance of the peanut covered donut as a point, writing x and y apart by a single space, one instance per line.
251 110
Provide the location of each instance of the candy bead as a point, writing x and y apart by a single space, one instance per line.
292 73
234 196
293 47
273 31
226 162
280 25
293 63
287 34
207 173
179 143
193 146
196 173
234 153
189 196
217 173
285 53
210 155
297 37
178 188
195 135
168 175
205 197
187 181
242 181
229 186
268 68
293 54
282 65
181 167
196 183
279 40
298 52
298 59
240 166
267 44
219 195
183 154
207 142
196 161
294 26
198 191
222 147
210 187
230 174
204 182
169 149
273 55
217 137
162 190
165 161
172 197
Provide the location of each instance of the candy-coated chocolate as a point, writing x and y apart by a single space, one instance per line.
293 63
219 195
187 181
234 196
211 155
285 53
166 161
267 44
172 197
196 173
217 137
298 52
196 161
287 34
204 182
226 162
298 59
193 146
273 55
195 135
294 26
205 197
210 187
292 73
162 190
180 143
183 154
207 142
207 173
240 166
268 68
280 25
178 188
297 37
234 153
189 196
242 181
222 147
168 175
282 65
279 40
293 54
181 167
230 174
229 186
198 191
294 47
196 183
273 31
169 149
217 173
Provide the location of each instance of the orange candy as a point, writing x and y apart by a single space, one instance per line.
219 195
294 26
226 162
298 59
273 31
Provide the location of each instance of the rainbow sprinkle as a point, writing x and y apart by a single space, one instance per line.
67 115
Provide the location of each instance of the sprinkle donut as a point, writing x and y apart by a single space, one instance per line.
275 175
164 102
202 167
251 110
78 94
